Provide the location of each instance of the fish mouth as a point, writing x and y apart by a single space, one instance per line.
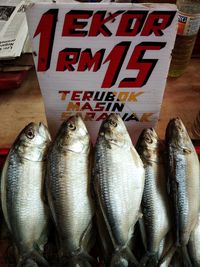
111 124
43 131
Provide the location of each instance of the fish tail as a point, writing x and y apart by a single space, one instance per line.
26 263
186 261
76 263
144 260
149 260
82 259
122 257
169 254
153 260
32 260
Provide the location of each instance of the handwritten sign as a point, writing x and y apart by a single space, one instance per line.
98 58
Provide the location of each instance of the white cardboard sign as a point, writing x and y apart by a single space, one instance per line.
97 58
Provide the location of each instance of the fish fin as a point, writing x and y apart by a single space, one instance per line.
76 263
149 260
144 260
140 215
32 258
39 245
103 238
153 260
186 261
26 263
122 256
38 258
81 259
170 252
143 233
88 237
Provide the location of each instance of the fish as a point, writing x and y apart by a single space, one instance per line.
22 193
155 201
68 185
166 250
183 182
193 244
118 184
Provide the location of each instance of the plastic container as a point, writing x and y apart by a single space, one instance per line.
188 26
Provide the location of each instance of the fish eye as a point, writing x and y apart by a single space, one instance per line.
71 126
113 123
30 133
149 140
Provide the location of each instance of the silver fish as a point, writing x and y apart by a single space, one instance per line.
194 243
183 175
118 183
155 201
22 190
68 186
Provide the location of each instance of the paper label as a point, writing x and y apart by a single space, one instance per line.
188 24
95 59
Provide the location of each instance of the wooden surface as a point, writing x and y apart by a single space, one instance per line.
23 105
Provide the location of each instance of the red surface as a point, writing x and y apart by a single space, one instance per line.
11 80
3 154
197 149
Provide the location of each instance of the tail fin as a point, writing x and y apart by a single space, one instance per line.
149 260
186 262
167 257
76 263
153 260
82 259
122 257
32 260
27 263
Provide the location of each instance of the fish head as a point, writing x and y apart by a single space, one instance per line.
73 135
33 141
35 134
177 135
148 138
114 130
147 143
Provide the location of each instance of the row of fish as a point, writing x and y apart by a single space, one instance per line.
103 194
171 198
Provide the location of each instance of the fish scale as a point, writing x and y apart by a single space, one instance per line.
156 210
184 204
68 187
156 220
19 198
183 179
118 184
115 189
22 191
